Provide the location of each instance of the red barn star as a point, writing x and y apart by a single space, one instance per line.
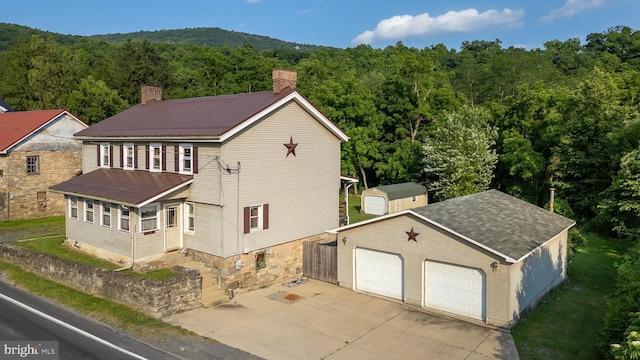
412 235
291 147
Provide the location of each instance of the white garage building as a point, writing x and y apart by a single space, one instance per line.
485 257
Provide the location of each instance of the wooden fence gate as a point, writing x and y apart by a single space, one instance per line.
320 261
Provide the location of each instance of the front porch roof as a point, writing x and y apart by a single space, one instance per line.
134 188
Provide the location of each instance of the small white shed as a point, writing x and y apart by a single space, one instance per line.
389 199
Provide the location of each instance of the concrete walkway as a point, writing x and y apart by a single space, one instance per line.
316 320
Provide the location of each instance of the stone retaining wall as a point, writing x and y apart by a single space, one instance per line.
156 298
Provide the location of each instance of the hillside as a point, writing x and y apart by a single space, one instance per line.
211 36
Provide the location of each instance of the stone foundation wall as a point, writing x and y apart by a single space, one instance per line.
281 263
156 298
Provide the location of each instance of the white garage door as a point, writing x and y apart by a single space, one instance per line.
379 273
455 289
375 205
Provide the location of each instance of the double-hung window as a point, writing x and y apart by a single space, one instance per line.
73 207
149 217
123 224
88 210
105 155
155 157
186 159
190 217
129 157
256 218
105 219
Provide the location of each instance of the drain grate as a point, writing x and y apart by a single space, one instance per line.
295 282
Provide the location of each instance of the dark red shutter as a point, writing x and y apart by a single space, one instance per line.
247 220
265 216
110 155
176 158
146 157
135 156
194 159
98 155
164 157
121 155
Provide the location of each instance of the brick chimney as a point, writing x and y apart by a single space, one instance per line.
150 93
283 80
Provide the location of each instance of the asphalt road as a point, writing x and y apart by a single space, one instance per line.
24 317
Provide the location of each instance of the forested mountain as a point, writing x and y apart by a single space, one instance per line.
211 36
566 116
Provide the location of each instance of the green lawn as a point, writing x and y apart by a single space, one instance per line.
24 229
567 323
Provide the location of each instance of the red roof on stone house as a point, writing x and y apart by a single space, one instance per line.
16 126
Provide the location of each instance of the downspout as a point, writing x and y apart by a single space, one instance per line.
133 250
346 202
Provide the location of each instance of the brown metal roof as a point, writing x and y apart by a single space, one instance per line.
205 116
132 187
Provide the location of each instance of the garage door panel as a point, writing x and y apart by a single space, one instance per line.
379 273
455 289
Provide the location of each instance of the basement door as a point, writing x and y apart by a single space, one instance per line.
172 228
379 273
455 289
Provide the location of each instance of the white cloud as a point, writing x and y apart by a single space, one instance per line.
570 8
403 26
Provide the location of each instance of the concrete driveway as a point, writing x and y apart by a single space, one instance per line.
316 320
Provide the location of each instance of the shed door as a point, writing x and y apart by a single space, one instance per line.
456 289
375 205
379 273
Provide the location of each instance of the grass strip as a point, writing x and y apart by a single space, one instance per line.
566 324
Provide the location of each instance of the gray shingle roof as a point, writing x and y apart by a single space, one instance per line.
403 190
508 225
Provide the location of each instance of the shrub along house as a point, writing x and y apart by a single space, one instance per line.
235 181
485 257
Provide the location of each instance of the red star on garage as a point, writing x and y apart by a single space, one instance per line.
412 235
291 147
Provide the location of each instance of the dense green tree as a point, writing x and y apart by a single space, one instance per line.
459 157
93 101
139 63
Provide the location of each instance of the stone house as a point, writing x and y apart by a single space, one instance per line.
236 182
37 150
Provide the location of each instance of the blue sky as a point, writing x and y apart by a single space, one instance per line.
340 23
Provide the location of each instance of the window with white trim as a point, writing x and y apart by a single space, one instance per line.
189 217
185 159
155 157
73 207
105 212
105 155
88 210
149 217
256 218
129 156
124 217
414 198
